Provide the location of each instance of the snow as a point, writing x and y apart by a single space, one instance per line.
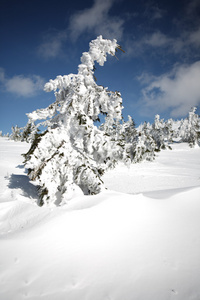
172 169
137 240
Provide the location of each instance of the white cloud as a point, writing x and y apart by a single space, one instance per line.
157 39
181 44
176 91
153 12
192 7
194 37
157 13
21 85
52 44
2 75
97 19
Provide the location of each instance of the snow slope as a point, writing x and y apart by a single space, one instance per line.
137 240
170 170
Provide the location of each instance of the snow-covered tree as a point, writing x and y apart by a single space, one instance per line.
189 130
123 134
26 133
16 134
129 134
111 130
73 153
145 144
158 133
168 132
129 130
29 131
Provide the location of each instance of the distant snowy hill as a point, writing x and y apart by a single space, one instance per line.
137 240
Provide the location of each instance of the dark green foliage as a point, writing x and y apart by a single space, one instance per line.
35 142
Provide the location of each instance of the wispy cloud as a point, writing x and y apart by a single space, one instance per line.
2 75
156 41
153 12
148 42
94 20
52 44
97 19
176 91
181 38
21 85
194 37
192 7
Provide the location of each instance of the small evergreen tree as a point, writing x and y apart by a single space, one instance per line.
29 132
73 153
129 134
123 135
16 134
129 130
158 133
145 144
189 130
168 132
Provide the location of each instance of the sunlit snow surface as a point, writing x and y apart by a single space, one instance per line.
138 240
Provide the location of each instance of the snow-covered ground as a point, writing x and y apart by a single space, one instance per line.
137 240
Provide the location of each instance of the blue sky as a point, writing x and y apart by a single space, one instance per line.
158 74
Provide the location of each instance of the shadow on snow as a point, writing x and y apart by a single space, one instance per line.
23 182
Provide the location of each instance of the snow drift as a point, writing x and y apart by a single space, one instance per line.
137 240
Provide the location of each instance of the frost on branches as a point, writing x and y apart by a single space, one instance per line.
189 130
73 153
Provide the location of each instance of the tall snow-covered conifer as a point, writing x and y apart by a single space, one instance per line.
73 153
157 133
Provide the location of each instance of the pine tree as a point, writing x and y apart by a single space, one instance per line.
189 130
129 134
123 135
168 132
29 132
157 133
145 144
73 153
129 130
16 134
